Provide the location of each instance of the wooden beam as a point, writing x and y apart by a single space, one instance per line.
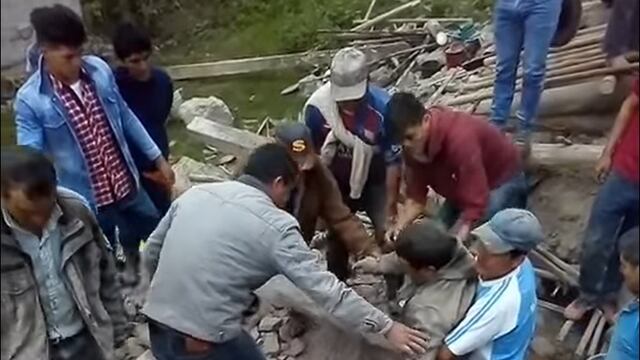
369 10
272 62
421 20
387 15
226 139
559 154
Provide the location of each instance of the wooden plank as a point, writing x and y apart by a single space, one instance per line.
564 330
387 15
559 154
586 337
226 139
421 20
272 62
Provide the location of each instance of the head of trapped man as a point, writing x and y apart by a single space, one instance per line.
348 79
273 166
504 241
409 123
28 188
60 35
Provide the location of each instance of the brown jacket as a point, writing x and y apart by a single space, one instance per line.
321 198
89 272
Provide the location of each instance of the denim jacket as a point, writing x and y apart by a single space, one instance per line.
43 123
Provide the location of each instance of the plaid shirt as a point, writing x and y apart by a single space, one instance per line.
110 178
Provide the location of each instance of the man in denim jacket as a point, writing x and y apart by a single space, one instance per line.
70 109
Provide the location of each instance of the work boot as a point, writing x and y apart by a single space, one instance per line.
578 309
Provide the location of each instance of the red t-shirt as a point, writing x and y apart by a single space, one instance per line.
626 156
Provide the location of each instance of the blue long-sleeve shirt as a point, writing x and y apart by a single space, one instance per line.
151 102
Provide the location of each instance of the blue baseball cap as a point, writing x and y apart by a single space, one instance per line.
510 229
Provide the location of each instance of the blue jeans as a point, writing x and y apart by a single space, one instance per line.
615 210
511 194
527 25
168 344
135 217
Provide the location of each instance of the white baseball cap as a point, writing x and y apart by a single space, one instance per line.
349 73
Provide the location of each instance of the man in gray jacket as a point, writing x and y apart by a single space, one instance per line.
441 282
218 243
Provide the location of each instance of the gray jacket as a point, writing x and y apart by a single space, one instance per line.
89 273
436 307
217 244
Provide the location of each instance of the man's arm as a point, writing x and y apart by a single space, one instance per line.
394 175
339 217
315 122
29 130
110 290
294 260
622 120
153 247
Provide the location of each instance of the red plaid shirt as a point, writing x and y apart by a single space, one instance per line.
110 177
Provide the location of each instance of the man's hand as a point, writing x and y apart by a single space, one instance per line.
603 166
461 231
406 340
368 265
165 169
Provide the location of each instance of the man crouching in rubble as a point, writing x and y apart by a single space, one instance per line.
60 298
442 280
218 243
317 195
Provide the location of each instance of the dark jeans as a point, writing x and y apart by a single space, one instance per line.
511 194
135 217
615 210
529 26
79 347
168 344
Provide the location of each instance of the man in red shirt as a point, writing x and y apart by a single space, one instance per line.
615 210
461 157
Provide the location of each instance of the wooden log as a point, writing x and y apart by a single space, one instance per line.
433 99
589 39
549 83
420 20
550 306
582 345
584 49
597 335
559 154
578 107
369 10
387 15
564 70
559 262
545 264
564 330
272 62
225 138
591 29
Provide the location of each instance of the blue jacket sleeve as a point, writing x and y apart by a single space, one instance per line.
315 122
29 131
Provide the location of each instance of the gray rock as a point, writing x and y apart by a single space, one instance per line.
269 323
211 108
271 344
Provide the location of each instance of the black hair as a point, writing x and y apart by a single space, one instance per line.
630 246
28 170
129 39
270 161
404 111
426 244
58 25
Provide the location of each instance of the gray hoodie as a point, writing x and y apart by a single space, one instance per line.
217 244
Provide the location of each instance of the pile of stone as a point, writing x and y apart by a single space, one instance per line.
277 336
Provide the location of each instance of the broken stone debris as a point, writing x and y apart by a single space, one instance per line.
210 108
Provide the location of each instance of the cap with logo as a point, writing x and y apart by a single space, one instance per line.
349 74
297 138
510 229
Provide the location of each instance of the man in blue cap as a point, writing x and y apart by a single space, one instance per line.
501 322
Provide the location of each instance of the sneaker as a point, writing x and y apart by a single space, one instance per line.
577 309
